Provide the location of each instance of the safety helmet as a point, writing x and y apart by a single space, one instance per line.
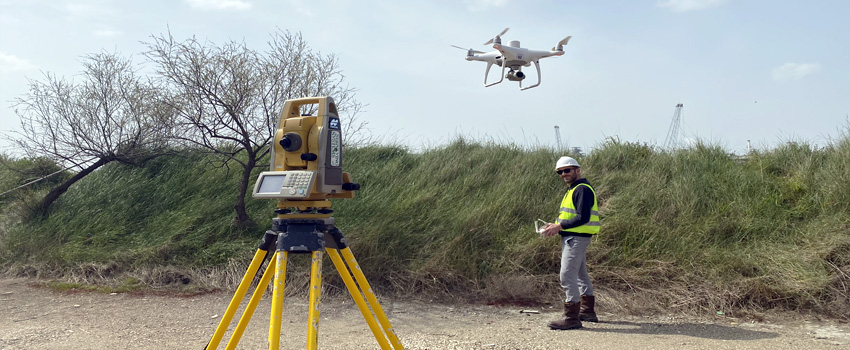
566 161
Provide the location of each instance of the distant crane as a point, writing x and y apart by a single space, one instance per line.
675 135
558 136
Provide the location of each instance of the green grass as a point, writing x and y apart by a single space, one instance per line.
15 173
693 229
129 284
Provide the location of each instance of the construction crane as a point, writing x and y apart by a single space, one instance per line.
675 135
558 136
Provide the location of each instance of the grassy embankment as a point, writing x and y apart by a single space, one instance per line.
693 231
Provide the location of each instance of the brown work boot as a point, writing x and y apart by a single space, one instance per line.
586 312
570 320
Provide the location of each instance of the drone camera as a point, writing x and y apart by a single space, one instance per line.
515 75
306 157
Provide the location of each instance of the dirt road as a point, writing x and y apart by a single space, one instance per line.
39 318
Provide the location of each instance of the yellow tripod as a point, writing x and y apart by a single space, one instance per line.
301 233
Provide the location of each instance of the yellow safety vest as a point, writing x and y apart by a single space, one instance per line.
568 211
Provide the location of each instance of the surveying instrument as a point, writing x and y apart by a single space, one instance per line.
306 172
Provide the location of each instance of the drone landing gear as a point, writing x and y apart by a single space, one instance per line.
514 74
300 236
487 73
536 65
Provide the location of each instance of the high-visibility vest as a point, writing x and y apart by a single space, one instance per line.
568 211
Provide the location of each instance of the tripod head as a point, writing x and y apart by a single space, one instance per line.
306 157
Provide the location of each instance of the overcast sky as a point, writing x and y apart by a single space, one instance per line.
767 71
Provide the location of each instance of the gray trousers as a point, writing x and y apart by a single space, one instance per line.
574 277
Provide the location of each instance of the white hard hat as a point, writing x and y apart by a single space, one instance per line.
566 161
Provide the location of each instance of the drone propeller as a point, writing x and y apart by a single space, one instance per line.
561 43
469 52
497 38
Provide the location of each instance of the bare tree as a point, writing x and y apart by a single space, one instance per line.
111 115
229 97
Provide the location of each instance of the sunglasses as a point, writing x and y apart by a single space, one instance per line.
565 171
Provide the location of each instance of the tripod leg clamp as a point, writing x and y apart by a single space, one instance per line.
337 240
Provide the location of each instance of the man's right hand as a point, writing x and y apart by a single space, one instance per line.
551 229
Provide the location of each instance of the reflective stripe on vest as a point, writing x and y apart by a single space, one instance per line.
568 211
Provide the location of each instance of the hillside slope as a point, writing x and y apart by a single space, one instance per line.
691 230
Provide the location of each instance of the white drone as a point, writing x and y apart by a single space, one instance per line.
512 57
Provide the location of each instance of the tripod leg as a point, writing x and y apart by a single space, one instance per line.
358 297
370 296
277 299
252 305
259 256
315 297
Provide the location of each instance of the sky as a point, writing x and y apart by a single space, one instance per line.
765 71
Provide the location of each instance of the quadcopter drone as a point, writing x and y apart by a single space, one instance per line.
512 57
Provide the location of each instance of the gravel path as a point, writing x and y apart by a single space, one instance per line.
38 318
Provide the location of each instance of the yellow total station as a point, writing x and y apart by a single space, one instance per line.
311 144
306 172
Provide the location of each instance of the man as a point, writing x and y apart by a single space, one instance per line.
578 222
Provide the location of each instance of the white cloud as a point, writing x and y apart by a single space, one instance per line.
107 33
794 71
219 4
84 10
301 8
80 8
9 63
688 5
9 19
481 5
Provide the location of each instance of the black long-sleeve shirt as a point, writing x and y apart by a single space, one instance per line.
583 199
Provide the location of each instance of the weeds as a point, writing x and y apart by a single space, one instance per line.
692 230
